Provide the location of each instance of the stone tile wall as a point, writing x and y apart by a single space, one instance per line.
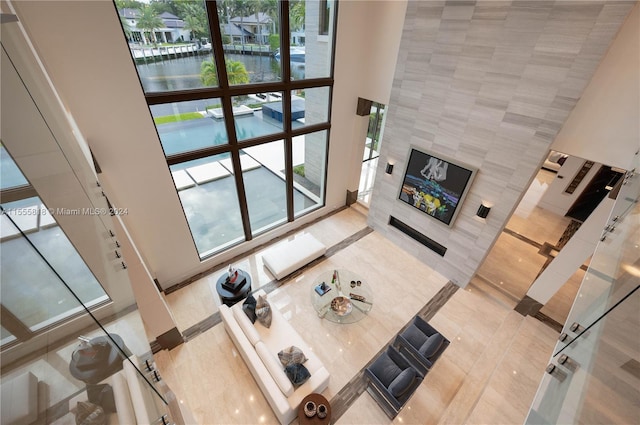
488 83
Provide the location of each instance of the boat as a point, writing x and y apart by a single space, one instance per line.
296 54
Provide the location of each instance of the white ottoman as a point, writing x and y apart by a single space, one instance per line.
288 256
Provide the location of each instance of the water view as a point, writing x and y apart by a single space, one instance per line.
184 73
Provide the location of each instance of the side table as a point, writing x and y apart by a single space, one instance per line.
318 399
231 297
98 359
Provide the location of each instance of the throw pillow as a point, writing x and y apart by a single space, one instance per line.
90 414
291 355
249 308
297 374
431 345
102 395
415 336
263 311
402 382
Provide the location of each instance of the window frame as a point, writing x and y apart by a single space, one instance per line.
226 92
324 17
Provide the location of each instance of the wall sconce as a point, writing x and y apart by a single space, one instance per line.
389 169
483 211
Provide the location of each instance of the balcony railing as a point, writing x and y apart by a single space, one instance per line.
593 375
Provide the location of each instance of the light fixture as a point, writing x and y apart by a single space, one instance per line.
389 169
483 211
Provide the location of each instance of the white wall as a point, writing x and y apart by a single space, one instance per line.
84 51
369 35
605 124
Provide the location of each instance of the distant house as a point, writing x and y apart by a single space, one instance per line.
255 28
172 31
236 33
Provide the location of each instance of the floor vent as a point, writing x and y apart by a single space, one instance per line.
414 234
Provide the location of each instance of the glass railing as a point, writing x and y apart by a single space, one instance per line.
74 348
104 369
593 374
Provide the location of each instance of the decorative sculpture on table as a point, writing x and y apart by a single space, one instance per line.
232 274
234 280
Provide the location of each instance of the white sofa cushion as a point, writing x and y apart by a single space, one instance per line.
247 327
274 367
280 335
20 399
288 256
124 408
142 398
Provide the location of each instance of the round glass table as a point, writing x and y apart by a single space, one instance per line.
341 296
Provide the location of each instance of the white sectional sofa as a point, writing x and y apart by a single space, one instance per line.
259 347
288 256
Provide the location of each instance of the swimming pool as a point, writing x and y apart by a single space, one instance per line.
213 211
184 136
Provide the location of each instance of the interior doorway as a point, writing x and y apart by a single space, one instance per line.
371 152
532 237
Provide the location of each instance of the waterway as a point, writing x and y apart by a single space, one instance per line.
184 73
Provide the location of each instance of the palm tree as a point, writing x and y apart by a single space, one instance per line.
208 73
149 21
236 73
243 8
195 18
271 8
297 15
194 25
126 27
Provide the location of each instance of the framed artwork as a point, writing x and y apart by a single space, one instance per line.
435 185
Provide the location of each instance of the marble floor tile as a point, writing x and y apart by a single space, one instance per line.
195 304
559 305
208 374
512 265
514 262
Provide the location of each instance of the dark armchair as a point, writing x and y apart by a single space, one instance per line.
392 381
421 344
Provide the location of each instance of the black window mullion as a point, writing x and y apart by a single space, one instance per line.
216 44
227 107
14 325
155 98
311 128
285 34
17 193
242 196
285 63
196 154
288 152
310 83
226 93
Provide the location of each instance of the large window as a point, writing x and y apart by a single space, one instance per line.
240 94
32 246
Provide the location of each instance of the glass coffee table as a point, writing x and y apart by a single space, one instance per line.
346 298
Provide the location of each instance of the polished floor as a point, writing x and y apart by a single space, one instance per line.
517 257
489 373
